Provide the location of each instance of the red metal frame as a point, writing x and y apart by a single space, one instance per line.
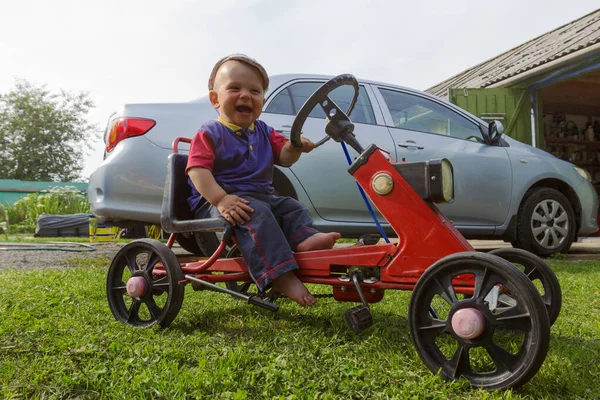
425 236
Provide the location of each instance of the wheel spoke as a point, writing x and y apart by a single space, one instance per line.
536 231
327 107
155 310
555 238
547 210
122 288
563 231
503 359
131 263
547 301
482 284
514 319
537 217
245 286
151 260
554 209
563 217
434 330
532 272
448 292
134 311
459 362
545 239
162 282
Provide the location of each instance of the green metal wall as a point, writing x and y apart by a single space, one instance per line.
12 190
511 106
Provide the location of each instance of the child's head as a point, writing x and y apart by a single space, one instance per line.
236 87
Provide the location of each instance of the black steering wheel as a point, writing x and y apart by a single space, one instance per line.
339 127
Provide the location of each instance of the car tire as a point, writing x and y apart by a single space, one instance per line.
545 223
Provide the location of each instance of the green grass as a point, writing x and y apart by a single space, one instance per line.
58 339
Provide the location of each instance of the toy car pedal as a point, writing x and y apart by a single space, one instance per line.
358 318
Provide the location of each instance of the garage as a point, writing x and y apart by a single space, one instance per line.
546 92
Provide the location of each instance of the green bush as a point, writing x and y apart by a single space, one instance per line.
58 201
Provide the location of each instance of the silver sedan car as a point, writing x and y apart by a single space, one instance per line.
502 190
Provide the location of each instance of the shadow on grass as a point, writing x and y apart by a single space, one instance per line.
570 370
327 319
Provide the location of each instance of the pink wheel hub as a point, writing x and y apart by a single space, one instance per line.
468 323
136 286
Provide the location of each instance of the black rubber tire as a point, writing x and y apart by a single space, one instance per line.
247 287
202 244
125 264
233 252
527 317
525 237
207 242
189 243
536 268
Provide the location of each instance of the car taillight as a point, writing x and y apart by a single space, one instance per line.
124 128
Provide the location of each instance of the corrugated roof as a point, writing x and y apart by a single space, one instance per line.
567 39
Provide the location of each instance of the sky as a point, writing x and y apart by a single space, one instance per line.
147 51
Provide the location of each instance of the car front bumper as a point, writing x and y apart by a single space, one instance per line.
589 209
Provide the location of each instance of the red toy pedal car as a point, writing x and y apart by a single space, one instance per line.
469 299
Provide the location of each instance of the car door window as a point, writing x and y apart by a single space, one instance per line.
416 113
290 100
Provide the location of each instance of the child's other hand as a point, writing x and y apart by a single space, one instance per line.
307 144
234 209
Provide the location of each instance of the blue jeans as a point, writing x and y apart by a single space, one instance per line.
276 227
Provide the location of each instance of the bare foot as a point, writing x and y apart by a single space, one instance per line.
319 241
289 285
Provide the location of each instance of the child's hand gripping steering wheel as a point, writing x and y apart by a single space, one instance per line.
339 127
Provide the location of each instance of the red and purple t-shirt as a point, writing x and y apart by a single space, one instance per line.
238 158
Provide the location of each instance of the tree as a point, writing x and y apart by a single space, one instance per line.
43 134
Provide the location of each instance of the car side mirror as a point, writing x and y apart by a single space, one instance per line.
495 131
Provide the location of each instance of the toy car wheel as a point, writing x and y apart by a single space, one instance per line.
188 243
545 223
492 339
240 287
540 273
199 243
247 287
142 286
207 242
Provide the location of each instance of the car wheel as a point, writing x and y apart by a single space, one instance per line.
545 223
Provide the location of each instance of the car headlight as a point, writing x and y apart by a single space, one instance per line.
584 174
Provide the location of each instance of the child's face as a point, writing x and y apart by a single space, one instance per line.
238 93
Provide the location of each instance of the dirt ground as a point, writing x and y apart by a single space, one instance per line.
25 257
17 257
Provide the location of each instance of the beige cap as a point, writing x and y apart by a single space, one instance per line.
243 58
